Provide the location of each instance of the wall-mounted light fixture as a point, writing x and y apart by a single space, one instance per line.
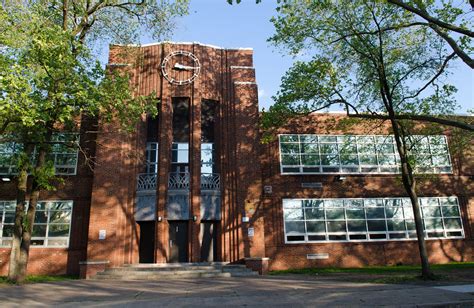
195 218
5 179
160 219
341 178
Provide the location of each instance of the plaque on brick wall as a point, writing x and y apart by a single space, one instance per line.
267 189
312 185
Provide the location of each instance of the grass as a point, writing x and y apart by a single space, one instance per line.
39 279
376 270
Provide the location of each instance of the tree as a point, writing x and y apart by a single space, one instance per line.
362 59
445 18
49 79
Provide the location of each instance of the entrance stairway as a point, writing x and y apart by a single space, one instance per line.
175 270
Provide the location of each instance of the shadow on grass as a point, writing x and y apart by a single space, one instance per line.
39 279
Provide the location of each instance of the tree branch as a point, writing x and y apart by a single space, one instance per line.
440 71
415 117
424 14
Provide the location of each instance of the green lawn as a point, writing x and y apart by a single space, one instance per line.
376 269
40 278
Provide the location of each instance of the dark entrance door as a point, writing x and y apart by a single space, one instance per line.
208 237
178 241
147 241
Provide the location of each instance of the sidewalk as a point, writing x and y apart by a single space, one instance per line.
259 291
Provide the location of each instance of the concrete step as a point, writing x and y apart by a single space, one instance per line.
180 265
163 269
152 276
175 270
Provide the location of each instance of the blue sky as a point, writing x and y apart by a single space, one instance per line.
248 25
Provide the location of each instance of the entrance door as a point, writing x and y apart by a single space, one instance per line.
208 238
147 241
178 241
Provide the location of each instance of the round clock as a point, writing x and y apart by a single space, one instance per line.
180 67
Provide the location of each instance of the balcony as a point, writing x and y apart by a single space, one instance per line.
146 182
177 204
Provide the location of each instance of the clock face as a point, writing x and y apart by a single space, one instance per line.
180 67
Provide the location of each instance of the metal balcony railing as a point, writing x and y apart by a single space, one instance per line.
178 181
210 181
146 181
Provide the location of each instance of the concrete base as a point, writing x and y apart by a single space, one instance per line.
88 269
258 264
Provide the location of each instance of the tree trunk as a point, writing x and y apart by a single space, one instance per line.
21 253
22 182
409 184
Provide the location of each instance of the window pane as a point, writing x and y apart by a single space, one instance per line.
329 160
60 217
289 138
336 226
9 217
433 223
452 223
314 213
429 211
356 226
294 214
450 211
373 213
294 227
39 231
7 230
41 217
354 213
290 148
309 148
376 225
315 226
58 230
289 160
335 213
310 160
396 225
309 138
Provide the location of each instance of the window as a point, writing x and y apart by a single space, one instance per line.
152 157
322 220
51 227
64 154
313 154
180 157
207 158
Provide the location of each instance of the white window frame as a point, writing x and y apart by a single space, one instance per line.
12 167
46 238
410 235
361 168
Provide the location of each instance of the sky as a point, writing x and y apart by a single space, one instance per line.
247 24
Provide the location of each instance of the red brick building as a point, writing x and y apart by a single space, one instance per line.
196 185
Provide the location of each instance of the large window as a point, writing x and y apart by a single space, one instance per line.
313 154
322 220
64 153
51 227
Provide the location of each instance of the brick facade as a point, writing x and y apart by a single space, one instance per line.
105 197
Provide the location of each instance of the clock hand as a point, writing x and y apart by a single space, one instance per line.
179 66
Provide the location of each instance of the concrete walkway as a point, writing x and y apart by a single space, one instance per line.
294 291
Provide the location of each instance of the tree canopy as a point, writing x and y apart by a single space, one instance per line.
49 78
358 53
